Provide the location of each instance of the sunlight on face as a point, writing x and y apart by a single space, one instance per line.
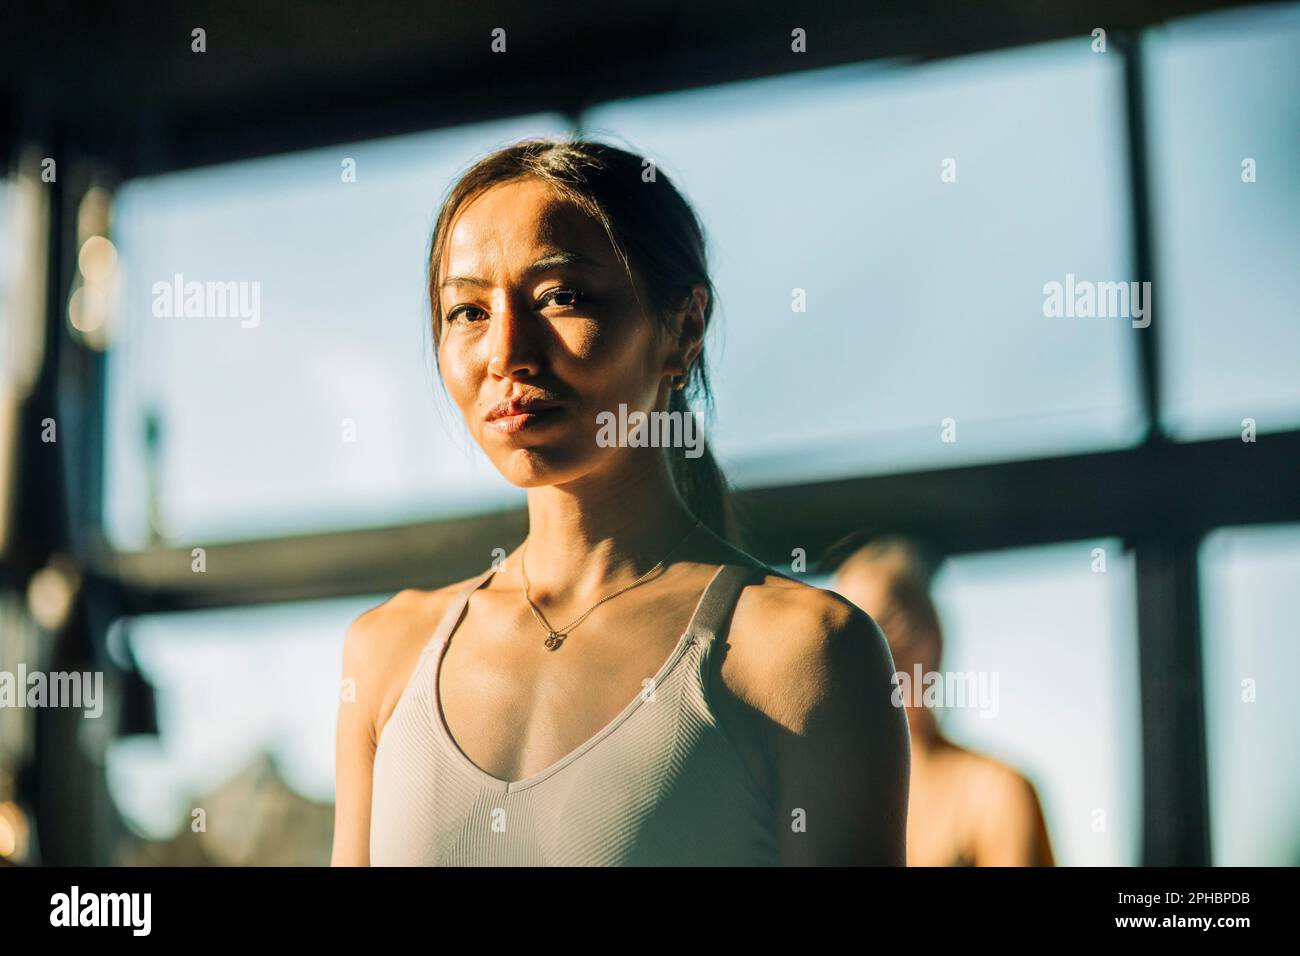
536 303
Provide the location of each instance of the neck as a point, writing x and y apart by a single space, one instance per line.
603 530
924 730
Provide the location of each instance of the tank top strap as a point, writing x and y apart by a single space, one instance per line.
719 598
710 616
456 609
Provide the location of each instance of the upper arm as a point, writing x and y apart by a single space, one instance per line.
1014 831
355 740
840 748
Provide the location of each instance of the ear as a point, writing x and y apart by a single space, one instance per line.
687 325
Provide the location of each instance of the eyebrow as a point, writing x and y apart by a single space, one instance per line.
544 264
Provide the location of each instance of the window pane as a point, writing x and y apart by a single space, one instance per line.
1248 583
22 268
8 252
1223 92
9 262
247 701
924 298
257 408
24 212
1061 639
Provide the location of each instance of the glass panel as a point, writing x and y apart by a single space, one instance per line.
1223 91
8 254
312 405
24 237
1057 630
247 702
1248 584
925 299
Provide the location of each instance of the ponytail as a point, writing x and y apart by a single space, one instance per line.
702 485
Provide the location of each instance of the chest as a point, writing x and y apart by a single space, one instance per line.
516 709
941 819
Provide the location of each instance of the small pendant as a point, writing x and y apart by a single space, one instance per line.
553 640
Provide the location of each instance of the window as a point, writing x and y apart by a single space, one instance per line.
924 298
320 411
8 248
247 699
1248 581
1222 93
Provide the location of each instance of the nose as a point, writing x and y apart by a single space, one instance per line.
515 346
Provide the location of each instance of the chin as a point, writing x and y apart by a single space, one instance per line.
539 466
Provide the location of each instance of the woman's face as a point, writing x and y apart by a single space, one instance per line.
536 305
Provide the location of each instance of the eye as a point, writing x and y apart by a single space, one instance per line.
564 298
462 311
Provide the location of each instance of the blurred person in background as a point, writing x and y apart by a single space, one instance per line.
965 808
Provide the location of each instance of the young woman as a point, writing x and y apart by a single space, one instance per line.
629 686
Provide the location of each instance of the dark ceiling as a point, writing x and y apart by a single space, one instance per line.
118 79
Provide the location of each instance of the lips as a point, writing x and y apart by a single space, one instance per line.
515 407
509 417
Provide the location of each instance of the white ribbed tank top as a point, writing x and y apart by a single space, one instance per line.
660 785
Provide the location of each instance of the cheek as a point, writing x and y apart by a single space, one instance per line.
587 343
461 370
615 361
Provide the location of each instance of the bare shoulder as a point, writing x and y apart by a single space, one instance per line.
797 645
1009 824
780 619
1002 784
410 609
383 642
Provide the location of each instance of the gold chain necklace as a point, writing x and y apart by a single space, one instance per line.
554 637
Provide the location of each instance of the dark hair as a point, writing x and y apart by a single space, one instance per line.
924 556
652 228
